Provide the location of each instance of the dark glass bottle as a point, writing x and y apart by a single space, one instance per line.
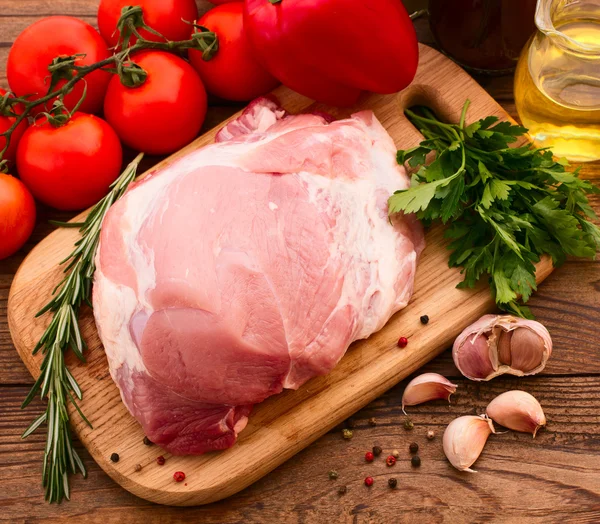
482 35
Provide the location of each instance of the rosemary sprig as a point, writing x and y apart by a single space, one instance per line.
56 381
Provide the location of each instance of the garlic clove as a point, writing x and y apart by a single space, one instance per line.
504 356
464 440
517 410
475 356
527 349
514 345
425 387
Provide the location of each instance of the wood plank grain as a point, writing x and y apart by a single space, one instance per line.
294 492
550 478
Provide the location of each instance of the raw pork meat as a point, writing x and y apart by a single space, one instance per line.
249 266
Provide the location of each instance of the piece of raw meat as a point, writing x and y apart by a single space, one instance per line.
249 266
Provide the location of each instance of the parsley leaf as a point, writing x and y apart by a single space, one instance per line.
505 206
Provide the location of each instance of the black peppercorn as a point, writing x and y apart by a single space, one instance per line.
342 490
392 483
414 447
424 319
377 450
147 441
114 457
138 467
372 421
415 461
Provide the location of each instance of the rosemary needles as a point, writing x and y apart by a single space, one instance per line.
56 382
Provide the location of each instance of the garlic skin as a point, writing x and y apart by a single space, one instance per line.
499 344
464 440
517 410
426 387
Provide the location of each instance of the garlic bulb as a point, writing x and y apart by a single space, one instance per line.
498 344
517 410
464 440
425 387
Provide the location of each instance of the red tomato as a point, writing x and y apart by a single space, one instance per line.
232 72
163 114
36 47
168 17
17 215
221 2
5 123
72 166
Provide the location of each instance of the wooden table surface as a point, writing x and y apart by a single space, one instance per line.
555 477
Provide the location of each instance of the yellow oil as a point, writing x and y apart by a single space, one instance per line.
557 91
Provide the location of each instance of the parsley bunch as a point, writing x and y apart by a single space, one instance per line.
506 206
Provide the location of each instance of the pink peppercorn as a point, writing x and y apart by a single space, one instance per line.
402 342
391 460
179 476
369 456
160 460
369 481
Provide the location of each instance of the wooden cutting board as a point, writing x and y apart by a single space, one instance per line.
286 423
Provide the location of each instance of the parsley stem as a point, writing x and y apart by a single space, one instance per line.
463 114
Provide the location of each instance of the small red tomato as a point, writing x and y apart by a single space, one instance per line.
72 166
36 47
17 215
165 113
171 18
5 123
232 73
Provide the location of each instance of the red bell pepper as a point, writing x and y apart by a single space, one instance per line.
331 50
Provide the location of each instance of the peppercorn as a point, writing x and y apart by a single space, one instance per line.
390 461
402 342
430 435
351 423
342 490
138 468
369 481
369 456
424 319
396 453
408 424
415 461
414 447
114 457
347 434
179 476
333 475
392 482
147 441
160 460
377 450
372 421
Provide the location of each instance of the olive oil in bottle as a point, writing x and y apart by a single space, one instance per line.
557 88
